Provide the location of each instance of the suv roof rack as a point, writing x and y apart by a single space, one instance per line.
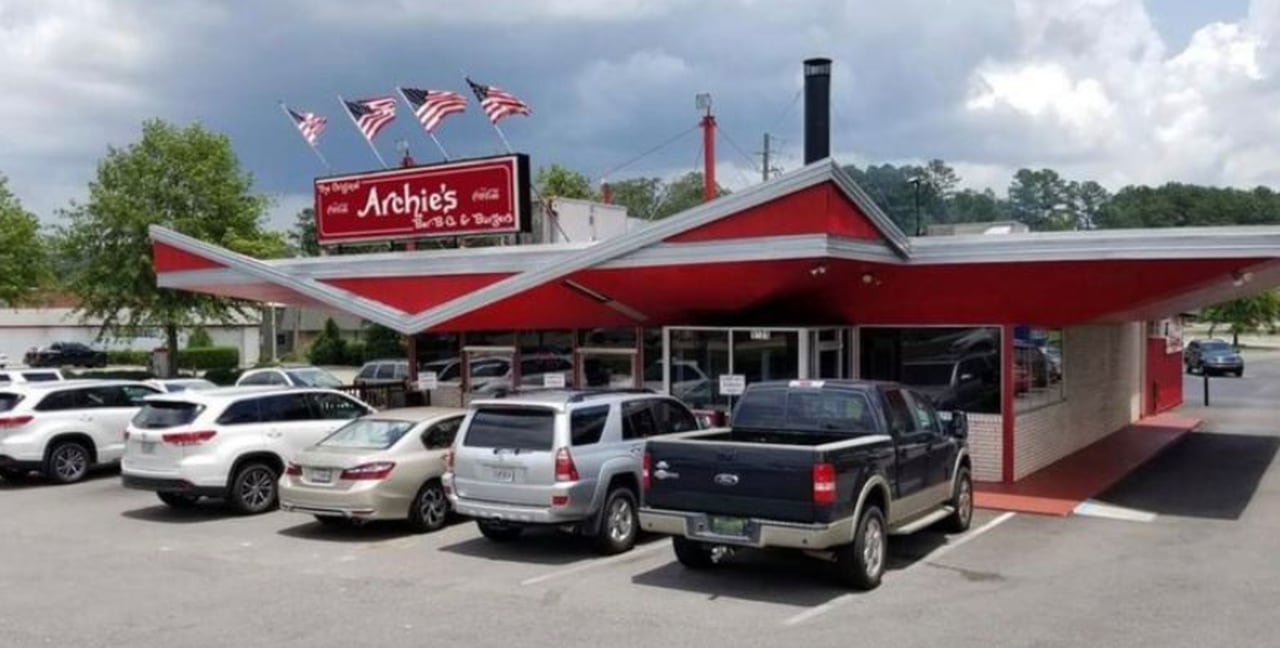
583 394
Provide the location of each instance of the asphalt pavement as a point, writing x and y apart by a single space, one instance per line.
95 565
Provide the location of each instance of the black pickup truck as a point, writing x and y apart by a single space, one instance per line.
829 467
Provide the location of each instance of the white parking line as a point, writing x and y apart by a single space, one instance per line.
1091 508
938 553
600 562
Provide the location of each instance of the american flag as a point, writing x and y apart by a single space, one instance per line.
372 115
309 124
497 103
432 106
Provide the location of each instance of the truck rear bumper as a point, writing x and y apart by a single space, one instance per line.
756 533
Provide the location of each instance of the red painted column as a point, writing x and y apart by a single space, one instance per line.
1007 416
709 157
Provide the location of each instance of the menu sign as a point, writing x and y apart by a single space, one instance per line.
470 197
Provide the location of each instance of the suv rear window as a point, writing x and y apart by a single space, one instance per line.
9 401
514 428
157 415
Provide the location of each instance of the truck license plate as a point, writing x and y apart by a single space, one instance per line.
728 526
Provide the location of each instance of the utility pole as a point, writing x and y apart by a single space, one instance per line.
765 155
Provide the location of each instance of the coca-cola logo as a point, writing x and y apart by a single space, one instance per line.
485 194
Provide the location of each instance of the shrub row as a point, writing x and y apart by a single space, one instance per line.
199 358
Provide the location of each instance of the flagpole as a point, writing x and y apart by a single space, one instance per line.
503 136
347 109
429 133
304 138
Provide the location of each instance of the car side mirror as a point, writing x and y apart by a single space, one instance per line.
955 423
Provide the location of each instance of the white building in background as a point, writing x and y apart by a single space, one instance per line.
24 328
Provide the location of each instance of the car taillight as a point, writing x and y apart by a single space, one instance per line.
188 438
645 475
14 421
565 470
824 483
369 471
126 435
293 469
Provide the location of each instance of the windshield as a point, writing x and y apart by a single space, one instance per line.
314 378
525 428
9 401
367 433
925 374
1215 347
807 409
156 415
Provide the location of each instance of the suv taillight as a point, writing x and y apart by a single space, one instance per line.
565 470
646 477
293 470
369 471
14 421
824 483
188 438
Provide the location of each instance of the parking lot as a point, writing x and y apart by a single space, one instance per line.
95 565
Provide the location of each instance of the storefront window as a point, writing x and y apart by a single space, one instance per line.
958 368
698 358
1038 368
761 355
543 353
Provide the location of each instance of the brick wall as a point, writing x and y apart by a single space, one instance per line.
1102 368
986 441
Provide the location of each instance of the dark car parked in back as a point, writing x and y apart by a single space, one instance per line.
1211 357
64 354
829 467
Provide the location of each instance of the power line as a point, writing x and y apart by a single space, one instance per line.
669 141
786 111
750 160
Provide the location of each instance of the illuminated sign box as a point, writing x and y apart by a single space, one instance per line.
464 198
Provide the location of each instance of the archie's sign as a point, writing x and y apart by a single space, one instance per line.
465 198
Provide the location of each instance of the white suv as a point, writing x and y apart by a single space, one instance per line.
64 428
230 443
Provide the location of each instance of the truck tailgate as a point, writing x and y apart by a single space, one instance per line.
733 479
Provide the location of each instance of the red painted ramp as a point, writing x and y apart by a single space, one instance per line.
1059 488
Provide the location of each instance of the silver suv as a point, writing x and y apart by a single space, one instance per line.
559 458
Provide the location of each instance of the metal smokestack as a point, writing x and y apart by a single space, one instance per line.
817 109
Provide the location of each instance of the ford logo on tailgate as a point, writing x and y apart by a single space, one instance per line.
726 479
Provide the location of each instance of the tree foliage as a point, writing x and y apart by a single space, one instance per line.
654 199
382 342
328 348
1245 315
24 259
558 181
184 178
302 238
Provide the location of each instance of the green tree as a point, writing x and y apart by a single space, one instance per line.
558 181
199 339
303 235
1245 315
24 259
641 196
684 192
969 206
328 348
184 178
1042 200
382 342
1088 199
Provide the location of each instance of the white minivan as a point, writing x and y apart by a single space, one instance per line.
231 443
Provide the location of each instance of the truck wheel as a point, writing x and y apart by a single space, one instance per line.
253 489
860 563
693 554
499 532
67 462
619 523
962 503
178 500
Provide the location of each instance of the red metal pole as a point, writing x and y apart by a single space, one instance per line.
709 157
606 193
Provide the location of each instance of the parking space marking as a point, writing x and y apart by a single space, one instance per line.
600 562
1092 508
836 602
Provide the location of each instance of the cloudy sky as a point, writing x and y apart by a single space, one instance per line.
1121 91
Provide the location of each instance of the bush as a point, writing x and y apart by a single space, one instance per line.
222 376
209 358
199 339
329 348
381 342
357 354
129 357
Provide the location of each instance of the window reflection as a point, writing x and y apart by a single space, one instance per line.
1037 367
698 358
958 368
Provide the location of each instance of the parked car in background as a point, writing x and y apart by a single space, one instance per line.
64 428
289 376
383 466
1212 357
822 466
230 443
559 458
493 375
30 375
66 354
382 372
173 385
970 383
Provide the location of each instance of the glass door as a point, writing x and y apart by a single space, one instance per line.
829 353
599 368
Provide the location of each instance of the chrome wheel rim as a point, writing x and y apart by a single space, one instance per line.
70 462
965 501
257 487
621 524
432 507
873 547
